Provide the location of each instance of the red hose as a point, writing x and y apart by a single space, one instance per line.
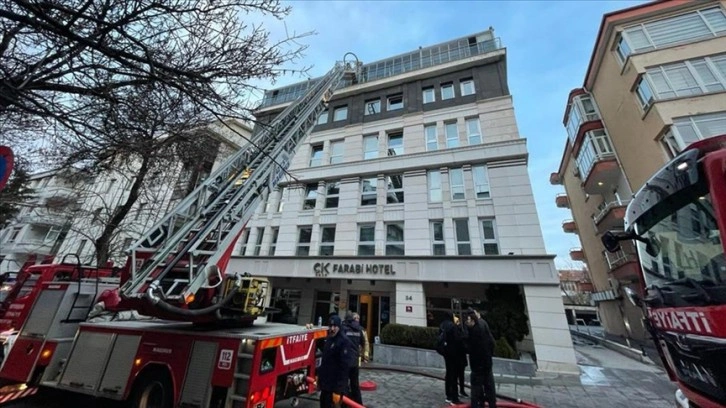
347 401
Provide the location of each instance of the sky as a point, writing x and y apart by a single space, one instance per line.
549 44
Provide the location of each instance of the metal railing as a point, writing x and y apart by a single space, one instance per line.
606 207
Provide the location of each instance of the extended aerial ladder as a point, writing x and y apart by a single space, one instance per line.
177 269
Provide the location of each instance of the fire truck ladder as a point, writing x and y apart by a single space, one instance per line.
180 253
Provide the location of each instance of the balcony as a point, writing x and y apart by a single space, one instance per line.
569 226
605 296
581 111
611 215
562 201
603 174
35 246
555 179
623 264
577 254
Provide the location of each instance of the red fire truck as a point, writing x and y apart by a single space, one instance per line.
678 222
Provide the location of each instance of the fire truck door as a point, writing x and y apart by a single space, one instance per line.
119 366
197 382
87 361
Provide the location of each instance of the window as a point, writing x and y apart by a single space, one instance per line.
463 242
316 155
14 235
682 28
273 245
395 102
452 135
372 107
81 247
394 239
303 241
139 211
245 240
694 128
467 87
111 183
456 180
432 138
472 131
311 196
481 181
323 118
429 95
395 144
437 234
281 203
435 191
366 239
447 91
337 148
53 234
394 189
370 147
327 240
127 243
645 95
595 146
288 301
489 237
340 113
622 49
368 194
332 193
258 244
688 78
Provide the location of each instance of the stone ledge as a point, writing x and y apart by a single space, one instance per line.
413 357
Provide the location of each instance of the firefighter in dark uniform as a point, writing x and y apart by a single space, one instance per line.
338 357
354 333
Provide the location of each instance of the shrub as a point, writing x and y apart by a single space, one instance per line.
409 336
502 349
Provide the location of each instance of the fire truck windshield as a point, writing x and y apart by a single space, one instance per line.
681 254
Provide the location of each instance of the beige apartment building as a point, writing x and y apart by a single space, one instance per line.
655 84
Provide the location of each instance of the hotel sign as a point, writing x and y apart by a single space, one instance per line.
327 268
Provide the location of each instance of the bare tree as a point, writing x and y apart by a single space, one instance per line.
127 85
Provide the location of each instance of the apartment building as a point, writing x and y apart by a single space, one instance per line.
410 198
655 84
70 208
577 295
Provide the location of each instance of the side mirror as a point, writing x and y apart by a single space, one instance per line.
632 296
610 242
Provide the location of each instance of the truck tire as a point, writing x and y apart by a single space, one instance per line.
152 389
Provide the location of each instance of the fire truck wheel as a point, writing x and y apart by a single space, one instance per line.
152 389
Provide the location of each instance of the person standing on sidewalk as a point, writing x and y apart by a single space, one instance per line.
452 341
480 344
335 366
461 357
353 331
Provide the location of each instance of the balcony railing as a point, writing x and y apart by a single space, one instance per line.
36 246
611 215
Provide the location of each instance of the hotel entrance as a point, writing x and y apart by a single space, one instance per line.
374 310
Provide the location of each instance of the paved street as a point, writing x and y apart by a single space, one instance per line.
607 379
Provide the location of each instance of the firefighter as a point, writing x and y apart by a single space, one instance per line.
338 357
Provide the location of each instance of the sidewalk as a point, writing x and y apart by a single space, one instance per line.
644 352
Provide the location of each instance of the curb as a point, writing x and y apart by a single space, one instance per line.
629 352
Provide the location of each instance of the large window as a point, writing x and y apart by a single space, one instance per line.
372 107
473 132
456 182
337 148
463 241
303 241
311 196
452 134
316 155
489 237
435 190
395 143
692 129
429 95
368 193
481 181
437 238
467 87
687 78
394 189
340 113
432 137
394 239
332 194
273 244
370 147
366 239
258 244
327 240
683 28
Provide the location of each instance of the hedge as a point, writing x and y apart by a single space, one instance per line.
425 338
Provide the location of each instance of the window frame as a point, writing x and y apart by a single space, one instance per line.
435 137
258 243
337 157
434 191
398 134
275 231
393 106
456 140
489 240
462 244
302 246
375 104
399 193
326 244
644 84
437 243
364 193
334 197
431 91
477 134
323 118
307 200
316 149
391 245
370 154
338 109
366 244
463 86
478 171
457 188
448 86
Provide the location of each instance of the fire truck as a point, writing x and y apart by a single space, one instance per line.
678 223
